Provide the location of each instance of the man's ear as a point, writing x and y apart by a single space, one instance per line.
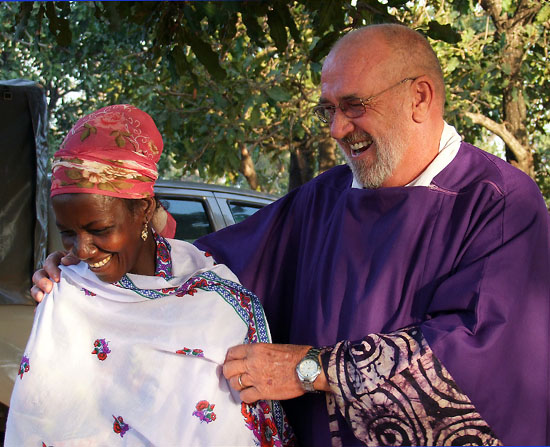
423 98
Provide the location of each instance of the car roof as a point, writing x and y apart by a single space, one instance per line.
179 184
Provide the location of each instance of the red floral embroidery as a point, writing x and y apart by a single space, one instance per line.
101 348
205 411
258 418
119 426
192 352
24 366
202 405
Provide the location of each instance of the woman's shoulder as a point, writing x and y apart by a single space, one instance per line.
186 258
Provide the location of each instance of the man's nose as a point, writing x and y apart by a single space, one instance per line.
340 125
83 247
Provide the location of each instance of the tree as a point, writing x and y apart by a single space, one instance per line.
231 84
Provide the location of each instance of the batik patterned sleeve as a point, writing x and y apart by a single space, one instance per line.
392 390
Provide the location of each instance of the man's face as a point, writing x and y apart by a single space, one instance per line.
375 142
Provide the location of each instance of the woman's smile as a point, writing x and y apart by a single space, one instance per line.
101 263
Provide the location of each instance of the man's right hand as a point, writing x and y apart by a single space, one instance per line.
44 278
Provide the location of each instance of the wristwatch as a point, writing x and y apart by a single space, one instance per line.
308 369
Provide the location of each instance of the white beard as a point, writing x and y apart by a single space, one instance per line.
389 152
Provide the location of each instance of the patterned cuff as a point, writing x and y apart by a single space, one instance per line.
392 390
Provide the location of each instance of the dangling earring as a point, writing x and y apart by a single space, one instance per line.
144 233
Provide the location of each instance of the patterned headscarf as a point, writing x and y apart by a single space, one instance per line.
113 152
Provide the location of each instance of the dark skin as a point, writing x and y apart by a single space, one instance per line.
105 232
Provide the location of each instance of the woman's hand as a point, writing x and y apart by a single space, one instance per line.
267 371
44 278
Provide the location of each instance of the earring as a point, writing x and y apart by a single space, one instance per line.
144 233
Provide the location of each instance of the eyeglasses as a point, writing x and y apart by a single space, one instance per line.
352 107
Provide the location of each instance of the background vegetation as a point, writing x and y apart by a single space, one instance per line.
231 84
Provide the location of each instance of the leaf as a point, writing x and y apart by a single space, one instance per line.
180 61
253 29
451 64
25 10
446 33
277 30
52 17
544 14
285 15
65 36
278 94
229 29
206 56
327 14
323 46
85 134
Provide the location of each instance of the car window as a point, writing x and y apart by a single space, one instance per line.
241 211
191 218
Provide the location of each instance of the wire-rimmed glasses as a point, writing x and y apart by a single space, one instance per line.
351 107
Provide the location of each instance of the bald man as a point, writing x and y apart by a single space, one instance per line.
408 290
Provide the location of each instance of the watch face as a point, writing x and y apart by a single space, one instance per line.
308 368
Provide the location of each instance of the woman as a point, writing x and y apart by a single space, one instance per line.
127 349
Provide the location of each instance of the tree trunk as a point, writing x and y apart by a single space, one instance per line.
248 169
327 154
515 110
301 166
513 102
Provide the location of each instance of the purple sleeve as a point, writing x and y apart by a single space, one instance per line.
488 320
392 385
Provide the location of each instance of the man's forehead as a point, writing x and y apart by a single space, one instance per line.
350 81
353 65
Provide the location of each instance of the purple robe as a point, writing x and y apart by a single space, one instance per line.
466 259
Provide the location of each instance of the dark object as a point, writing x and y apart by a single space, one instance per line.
23 191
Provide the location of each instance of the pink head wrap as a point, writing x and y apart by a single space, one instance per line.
113 152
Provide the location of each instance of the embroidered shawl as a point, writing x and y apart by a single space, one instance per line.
139 362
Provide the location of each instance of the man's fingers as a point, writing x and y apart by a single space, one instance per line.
241 384
233 368
237 352
250 395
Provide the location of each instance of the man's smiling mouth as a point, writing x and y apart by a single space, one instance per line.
359 147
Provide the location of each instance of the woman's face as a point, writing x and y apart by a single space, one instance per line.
104 233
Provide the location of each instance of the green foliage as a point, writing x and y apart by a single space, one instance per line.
223 77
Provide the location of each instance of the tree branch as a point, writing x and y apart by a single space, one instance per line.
520 151
494 8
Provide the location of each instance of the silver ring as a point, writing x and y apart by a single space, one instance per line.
240 382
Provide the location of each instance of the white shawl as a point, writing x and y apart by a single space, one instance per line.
108 364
